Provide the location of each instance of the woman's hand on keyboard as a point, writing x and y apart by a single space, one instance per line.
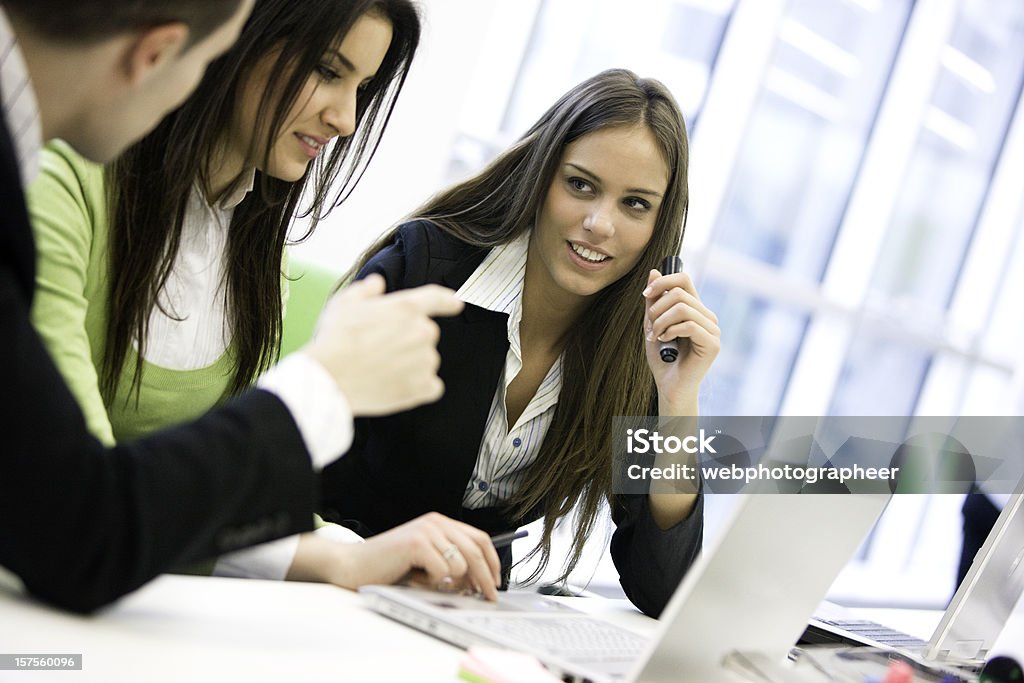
431 551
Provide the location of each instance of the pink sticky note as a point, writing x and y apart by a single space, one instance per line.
494 665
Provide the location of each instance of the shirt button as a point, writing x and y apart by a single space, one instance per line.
517 442
482 486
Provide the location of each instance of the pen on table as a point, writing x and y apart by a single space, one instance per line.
502 540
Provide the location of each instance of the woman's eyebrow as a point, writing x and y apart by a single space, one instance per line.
345 61
347 64
632 190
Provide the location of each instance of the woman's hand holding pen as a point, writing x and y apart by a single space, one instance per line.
673 310
430 551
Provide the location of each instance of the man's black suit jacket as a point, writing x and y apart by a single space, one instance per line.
82 525
420 460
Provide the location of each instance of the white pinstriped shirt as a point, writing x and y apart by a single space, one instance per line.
497 285
18 99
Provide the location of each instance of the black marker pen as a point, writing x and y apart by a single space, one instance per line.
502 540
669 350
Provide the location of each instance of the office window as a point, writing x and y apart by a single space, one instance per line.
791 184
674 41
808 131
922 257
882 376
933 334
961 137
764 337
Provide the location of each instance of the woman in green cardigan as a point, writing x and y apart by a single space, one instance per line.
160 285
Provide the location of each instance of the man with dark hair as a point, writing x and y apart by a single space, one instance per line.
87 21
82 525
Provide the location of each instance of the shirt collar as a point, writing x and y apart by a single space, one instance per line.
497 283
20 106
229 201
243 188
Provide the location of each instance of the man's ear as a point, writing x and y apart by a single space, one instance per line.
152 49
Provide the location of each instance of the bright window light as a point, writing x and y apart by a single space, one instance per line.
821 49
962 66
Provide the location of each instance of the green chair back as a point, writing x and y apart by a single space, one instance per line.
309 287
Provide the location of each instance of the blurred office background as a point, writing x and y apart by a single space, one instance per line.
856 179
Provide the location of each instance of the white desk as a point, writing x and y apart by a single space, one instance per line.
183 628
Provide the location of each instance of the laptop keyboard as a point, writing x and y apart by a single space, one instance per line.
576 639
877 632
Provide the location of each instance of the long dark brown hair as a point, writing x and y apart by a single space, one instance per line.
149 186
604 371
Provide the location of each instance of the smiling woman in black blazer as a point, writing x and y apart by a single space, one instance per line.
553 248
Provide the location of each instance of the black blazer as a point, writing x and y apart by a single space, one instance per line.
419 461
82 525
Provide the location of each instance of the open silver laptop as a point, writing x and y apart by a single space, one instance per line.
754 588
975 616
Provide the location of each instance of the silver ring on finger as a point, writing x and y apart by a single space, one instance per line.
450 552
